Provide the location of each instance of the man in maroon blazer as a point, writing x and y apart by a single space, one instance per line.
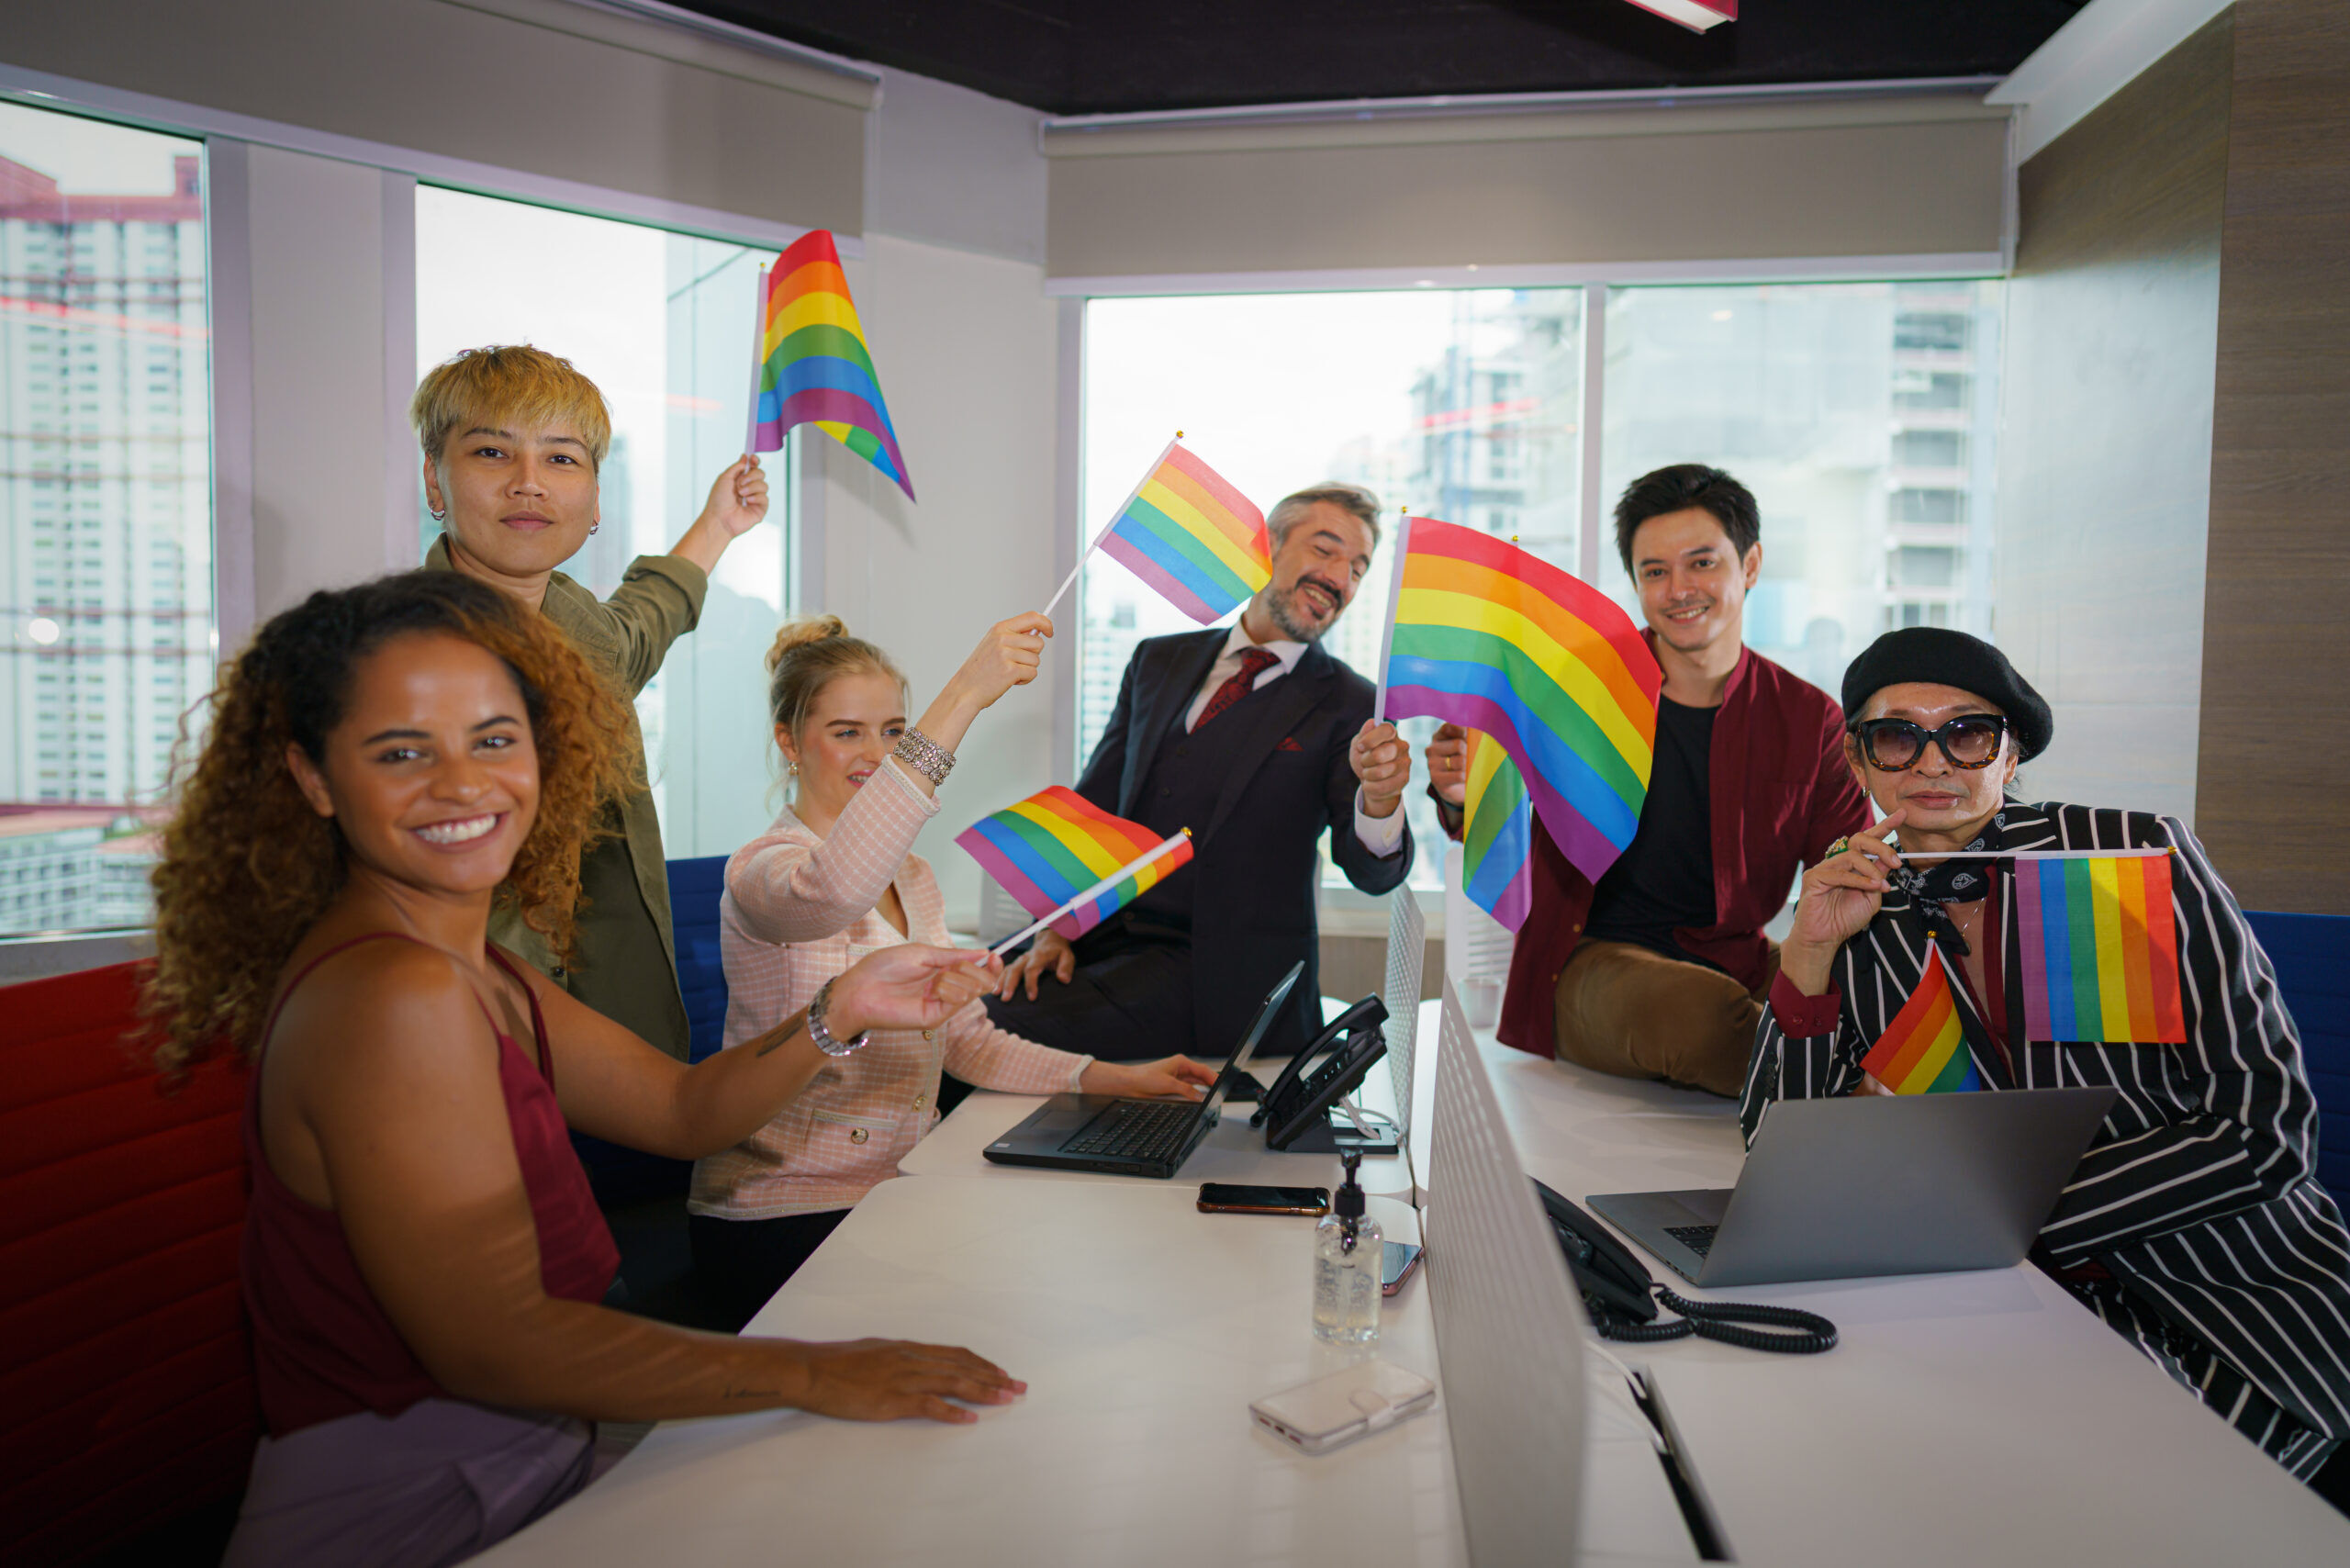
1660 969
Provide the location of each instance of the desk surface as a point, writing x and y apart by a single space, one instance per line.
1963 1419
1233 1150
1143 1328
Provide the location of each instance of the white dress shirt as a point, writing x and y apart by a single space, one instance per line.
1383 836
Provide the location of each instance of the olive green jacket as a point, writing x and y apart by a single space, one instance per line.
623 962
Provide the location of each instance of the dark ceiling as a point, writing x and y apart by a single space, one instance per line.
1122 56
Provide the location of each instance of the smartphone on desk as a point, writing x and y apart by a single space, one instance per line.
1226 1198
1396 1264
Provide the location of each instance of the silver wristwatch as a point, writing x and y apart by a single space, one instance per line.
926 756
823 1036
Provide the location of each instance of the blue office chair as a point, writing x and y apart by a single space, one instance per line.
2312 953
694 889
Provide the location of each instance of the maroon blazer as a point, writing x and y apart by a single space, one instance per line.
1781 794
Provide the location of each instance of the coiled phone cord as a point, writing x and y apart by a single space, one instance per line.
1807 1333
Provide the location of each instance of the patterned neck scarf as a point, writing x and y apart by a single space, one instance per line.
1949 882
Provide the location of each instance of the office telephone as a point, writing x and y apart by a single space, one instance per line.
1294 1109
1622 1298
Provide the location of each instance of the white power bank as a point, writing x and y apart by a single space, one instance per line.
1350 1403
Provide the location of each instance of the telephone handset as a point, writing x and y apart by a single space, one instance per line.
1613 1283
1617 1292
1369 1010
1299 1100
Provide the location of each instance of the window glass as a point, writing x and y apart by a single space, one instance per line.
1862 417
1460 405
106 506
662 323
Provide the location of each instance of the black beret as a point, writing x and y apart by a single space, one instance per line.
1940 657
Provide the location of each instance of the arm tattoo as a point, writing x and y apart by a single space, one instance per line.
792 1027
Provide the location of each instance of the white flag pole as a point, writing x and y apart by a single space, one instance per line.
1096 891
2030 854
758 363
1394 597
1157 462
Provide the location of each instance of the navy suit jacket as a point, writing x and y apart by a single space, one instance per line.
1253 861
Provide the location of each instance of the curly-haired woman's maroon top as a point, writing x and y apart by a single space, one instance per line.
322 1345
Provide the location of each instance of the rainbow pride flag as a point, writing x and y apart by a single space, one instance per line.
1498 838
1187 533
1056 844
1489 636
2100 952
1923 1050
814 367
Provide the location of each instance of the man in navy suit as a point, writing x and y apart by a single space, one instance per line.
1255 739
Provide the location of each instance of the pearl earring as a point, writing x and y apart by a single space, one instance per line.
795 770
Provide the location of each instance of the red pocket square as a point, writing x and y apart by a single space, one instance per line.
1289 742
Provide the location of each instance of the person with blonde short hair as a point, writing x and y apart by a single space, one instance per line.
513 440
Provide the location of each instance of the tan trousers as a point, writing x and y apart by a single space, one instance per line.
1637 1013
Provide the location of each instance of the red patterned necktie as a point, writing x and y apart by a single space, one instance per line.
1254 662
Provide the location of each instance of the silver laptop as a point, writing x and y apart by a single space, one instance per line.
1875 1184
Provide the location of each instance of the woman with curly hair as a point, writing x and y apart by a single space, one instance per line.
422 1261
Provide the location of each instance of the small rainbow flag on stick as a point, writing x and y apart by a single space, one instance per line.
1498 838
2100 951
1483 634
1070 863
1923 1050
812 365
1187 533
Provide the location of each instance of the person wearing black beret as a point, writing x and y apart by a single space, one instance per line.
2194 1226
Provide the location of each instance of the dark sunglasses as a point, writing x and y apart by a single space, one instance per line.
1970 742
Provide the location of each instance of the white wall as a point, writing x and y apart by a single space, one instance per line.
964 347
951 291
322 420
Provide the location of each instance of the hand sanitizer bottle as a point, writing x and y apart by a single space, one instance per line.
1347 1251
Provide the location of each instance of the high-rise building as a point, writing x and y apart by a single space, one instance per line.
106 536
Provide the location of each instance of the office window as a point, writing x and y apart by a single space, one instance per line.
662 323
1861 415
1460 405
102 294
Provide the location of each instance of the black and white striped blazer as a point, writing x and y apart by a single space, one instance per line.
2198 1191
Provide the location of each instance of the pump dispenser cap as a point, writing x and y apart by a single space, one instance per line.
1348 1204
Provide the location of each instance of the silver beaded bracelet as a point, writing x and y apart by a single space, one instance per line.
926 756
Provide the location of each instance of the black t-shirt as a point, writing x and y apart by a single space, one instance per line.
1664 878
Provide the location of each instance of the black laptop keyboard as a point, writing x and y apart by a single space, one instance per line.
1698 1239
1137 1129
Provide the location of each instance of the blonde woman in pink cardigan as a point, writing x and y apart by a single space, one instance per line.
832 880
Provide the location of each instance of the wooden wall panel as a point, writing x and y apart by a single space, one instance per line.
2105 436
2275 756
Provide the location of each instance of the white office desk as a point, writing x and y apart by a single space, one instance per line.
1143 1328
1233 1150
1978 1419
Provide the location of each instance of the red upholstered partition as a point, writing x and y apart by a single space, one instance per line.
126 1379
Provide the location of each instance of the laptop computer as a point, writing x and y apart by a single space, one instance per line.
1132 1137
1875 1184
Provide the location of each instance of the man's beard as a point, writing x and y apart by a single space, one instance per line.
1276 609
